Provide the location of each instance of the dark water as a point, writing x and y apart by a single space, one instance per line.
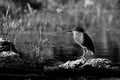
76 78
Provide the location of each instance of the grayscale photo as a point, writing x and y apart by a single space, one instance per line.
59 39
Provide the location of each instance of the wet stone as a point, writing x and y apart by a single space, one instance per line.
7 48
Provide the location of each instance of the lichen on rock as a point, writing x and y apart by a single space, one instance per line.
98 62
82 63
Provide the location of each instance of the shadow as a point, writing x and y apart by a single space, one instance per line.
67 53
114 51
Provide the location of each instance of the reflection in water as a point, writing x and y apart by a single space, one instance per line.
108 47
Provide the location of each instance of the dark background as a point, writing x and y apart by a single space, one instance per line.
29 23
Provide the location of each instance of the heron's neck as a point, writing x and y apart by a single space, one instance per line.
79 39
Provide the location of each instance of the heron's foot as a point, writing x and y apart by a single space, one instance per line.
87 52
91 53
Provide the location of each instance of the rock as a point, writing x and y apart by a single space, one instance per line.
98 63
73 64
90 63
7 48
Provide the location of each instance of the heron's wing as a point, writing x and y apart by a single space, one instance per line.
88 42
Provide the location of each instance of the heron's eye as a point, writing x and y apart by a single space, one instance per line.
75 33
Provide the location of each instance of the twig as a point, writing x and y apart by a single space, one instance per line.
29 8
7 11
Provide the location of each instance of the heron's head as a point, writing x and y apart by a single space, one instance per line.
78 31
78 35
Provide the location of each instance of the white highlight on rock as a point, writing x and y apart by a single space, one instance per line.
2 40
88 3
72 64
7 53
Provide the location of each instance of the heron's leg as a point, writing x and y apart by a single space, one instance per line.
85 51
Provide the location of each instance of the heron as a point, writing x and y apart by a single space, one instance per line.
83 40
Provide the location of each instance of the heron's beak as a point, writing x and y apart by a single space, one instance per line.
69 31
